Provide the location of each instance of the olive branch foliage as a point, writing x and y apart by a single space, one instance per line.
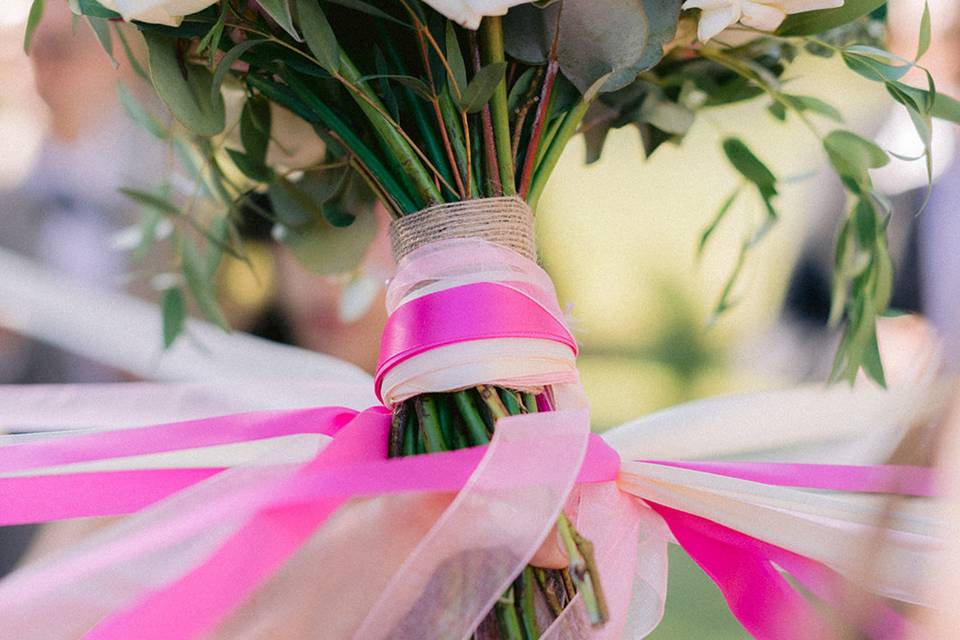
415 110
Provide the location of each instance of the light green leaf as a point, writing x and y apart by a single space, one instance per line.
33 19
279 10
128 52
852 156
319 35
455 60
813 22
189 98
923 41
151 201
816 105
95 9
481 87
101 29
139 115
174 315
416 84
256 171
201 286
717 219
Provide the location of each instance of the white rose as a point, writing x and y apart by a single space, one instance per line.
765 15
168 12
469 12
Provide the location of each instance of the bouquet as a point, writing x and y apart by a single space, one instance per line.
452 114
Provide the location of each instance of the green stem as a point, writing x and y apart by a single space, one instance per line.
491 36
430 430
530 402
490 398
526 608
583 571
510 401
476 428
507 619
409 446
389 132
570 124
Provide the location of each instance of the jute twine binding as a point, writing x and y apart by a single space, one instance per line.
506 221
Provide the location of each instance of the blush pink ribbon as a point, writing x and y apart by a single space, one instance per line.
354 464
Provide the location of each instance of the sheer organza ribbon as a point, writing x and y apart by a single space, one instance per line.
230 508
353 463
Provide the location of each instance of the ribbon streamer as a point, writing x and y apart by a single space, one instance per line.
259 525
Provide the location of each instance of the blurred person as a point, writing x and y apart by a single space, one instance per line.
64 213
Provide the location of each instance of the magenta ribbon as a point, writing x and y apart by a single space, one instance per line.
355 464
483 311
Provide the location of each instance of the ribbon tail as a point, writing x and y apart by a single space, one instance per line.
759 596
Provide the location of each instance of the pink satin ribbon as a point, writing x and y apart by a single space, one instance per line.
354 465
479 311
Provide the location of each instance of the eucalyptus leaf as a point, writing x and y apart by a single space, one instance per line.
816 105
319 35
101 29
481 87
279 10
417 85
597 37
189 98
810 23
254 170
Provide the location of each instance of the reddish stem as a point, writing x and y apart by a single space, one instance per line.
553 67
489 141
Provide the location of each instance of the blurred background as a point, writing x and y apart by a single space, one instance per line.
619 237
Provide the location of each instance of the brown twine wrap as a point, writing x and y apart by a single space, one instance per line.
506 221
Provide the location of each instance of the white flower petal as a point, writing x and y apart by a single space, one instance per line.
761 16
468 13
713 21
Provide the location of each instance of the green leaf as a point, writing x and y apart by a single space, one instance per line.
101 29
255 125
96 10
33 19
665 114
613 38
218 234
319 35
416 84
227 61
813 22
139 115
872 68
481 87
750 166
174 315
519 90
201 286
386 92
778 111
455 60
852 156
131 58
946 108
151 201
369 9
717 219
816 105
256 171
279 10
189 98
923 41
